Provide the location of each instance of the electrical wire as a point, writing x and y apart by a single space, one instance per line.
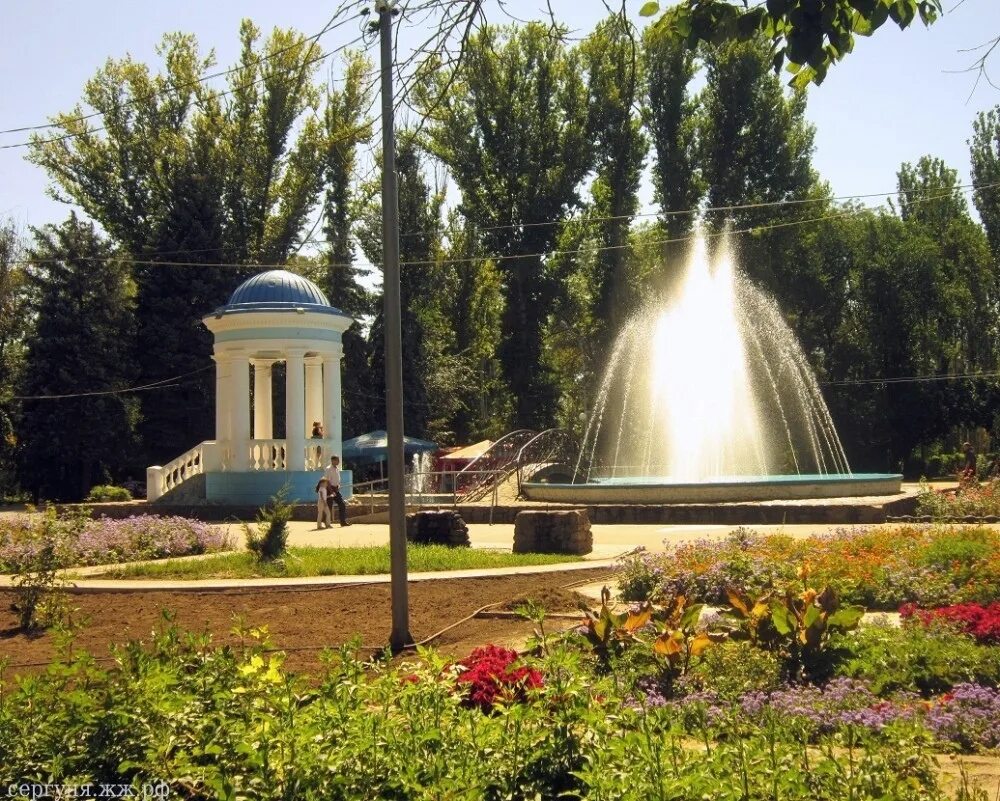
161 384
226 93
755 229
186 84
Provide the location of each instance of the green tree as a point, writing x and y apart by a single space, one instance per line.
14 327
419 283
985 152
756 146
670 115
181 172
342 278
84 302
615 82
929 194
512 128
811 35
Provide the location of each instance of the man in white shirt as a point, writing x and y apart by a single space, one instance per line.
333 496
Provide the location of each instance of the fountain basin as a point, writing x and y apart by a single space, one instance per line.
726 489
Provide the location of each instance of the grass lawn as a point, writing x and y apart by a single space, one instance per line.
359 561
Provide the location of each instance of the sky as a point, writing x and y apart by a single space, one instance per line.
900 95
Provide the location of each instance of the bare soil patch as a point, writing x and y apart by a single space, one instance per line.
303 621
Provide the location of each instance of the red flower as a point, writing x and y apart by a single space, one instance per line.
490 675
982 622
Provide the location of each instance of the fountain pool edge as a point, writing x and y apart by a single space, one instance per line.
772 488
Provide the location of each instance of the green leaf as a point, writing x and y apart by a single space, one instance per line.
846 618
649 9
691 615
782 620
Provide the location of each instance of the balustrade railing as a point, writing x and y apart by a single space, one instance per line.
268 454
160 480
264 455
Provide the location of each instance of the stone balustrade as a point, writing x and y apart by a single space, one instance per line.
264 455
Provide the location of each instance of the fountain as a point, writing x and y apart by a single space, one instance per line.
708 397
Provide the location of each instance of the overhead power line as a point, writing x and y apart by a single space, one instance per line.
330 26
910 379
226 93
161 384
754 229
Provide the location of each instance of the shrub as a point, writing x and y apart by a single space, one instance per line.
232 722
38 601
268 540
968 717
733 669
970 500
925 659
107 493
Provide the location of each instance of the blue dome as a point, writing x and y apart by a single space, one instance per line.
278 287
277 291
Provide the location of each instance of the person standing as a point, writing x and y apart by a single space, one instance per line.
317 433
324 515
969 464
332 476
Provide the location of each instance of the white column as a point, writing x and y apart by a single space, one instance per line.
314 394
332 401
295 424
262 414
222 368
239 404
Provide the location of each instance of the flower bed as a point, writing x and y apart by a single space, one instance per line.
878 568
369 732
971 499
965 719
83 541
982 622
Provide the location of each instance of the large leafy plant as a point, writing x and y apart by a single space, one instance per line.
798 624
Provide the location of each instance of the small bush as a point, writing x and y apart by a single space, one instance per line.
733 669
108 493
268 540
925 659
36 581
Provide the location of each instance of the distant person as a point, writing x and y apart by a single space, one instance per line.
317 433
324 515
969 465
332 476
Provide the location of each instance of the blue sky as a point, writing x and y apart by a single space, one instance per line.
897 97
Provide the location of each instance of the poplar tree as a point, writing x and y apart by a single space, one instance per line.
179 172
512 128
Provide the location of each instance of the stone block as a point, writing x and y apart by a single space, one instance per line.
553 532
437 528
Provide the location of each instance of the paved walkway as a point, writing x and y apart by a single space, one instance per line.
610 542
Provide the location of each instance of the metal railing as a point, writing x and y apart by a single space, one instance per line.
554 445
430 488
496 462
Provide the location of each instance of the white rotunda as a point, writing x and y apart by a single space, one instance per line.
275 317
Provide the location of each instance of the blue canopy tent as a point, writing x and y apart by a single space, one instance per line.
373 447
